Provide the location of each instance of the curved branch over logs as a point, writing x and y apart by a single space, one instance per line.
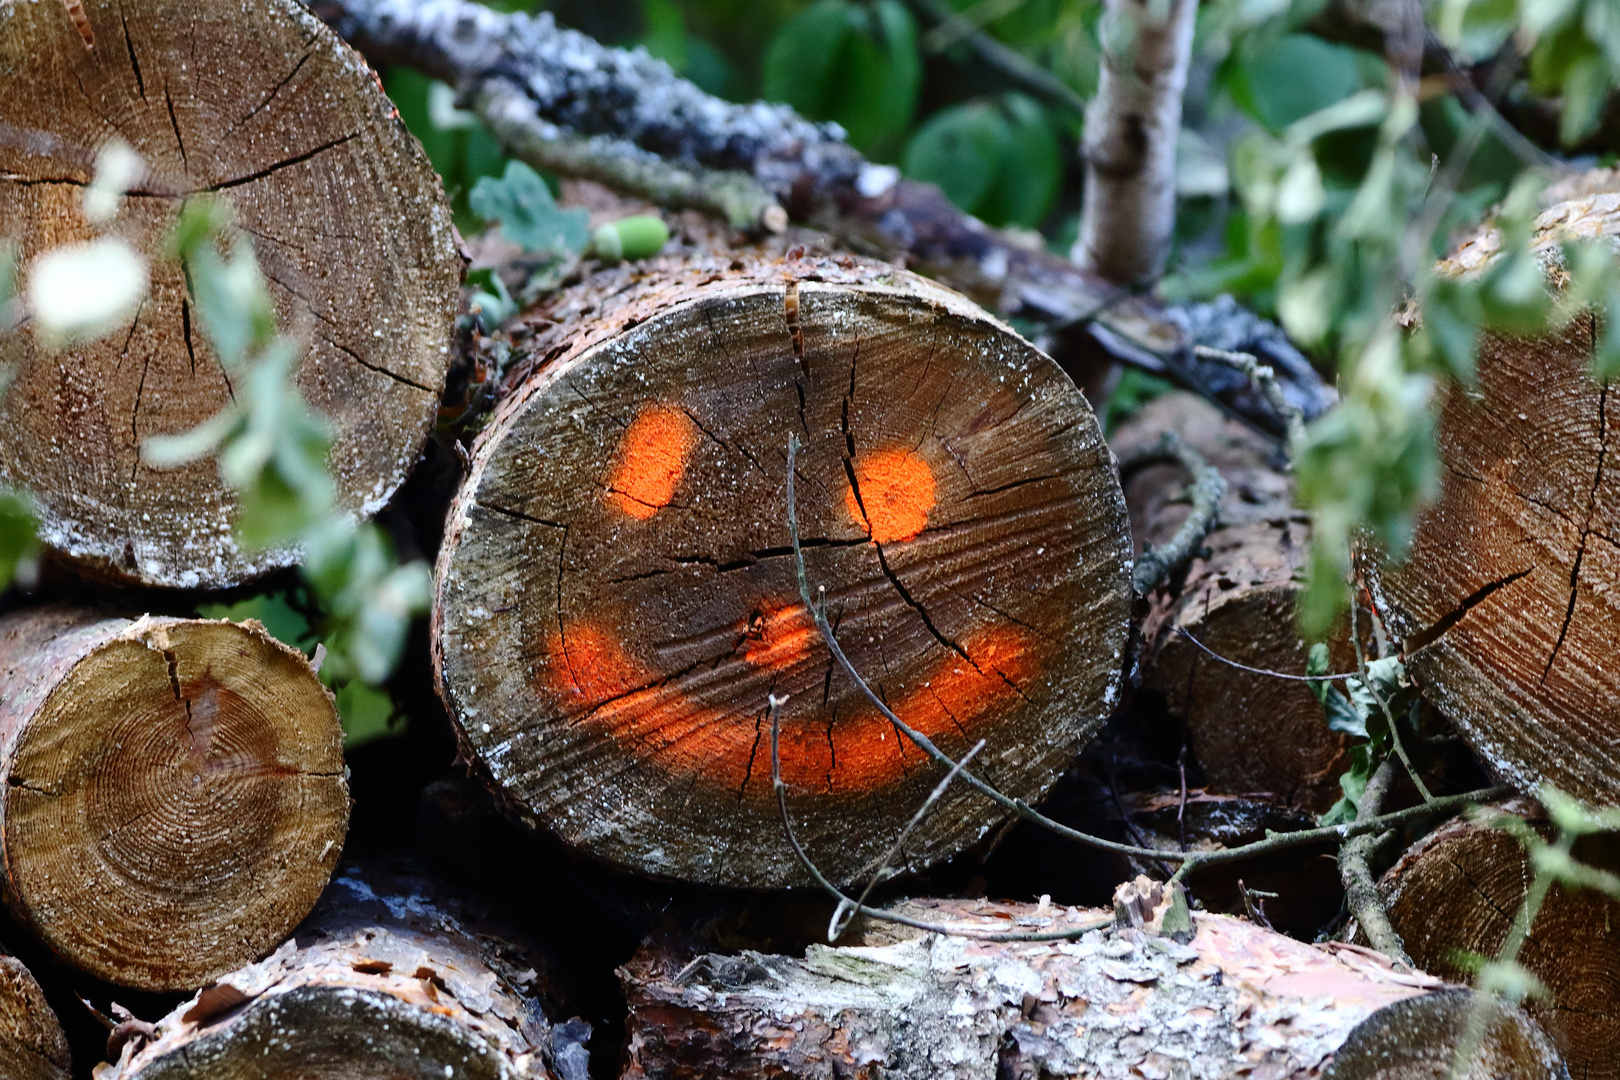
565 102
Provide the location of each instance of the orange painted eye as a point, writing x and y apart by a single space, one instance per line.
893 495
652 460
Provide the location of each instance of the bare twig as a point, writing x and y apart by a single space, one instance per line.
849 907
1263 376
1190 861
1154 566
1011 64
1228 661
1355 871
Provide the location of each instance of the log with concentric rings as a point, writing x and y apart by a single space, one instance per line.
174 795
617 597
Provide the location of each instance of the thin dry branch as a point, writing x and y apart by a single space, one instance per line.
1155 565
1355 870
1190 860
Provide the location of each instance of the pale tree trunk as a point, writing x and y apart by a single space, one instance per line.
1130 140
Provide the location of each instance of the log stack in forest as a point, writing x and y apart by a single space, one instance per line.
1508 603
262 104
1251 733
174 792
617 597
1453 895
388 980
32 1045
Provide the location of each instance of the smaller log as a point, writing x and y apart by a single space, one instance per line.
32 1046
1252 734
174 794
1415 1039
385 981
1457 890
1118 1002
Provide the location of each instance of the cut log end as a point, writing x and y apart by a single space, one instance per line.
1507 601
32 1046
1417 1039
618 600
1454 893
175 798
383 983
262 104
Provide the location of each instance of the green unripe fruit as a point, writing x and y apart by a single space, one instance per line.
637 237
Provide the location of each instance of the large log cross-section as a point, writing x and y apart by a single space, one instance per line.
617 595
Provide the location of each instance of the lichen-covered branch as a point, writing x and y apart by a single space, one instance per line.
571 105
1355 869
1155 565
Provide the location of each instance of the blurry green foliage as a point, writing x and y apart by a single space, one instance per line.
997 159
368 712
853 63
520 200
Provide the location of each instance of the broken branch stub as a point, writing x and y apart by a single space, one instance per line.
259 103
174 796
1508 602
617 596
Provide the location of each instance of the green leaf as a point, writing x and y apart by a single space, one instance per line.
1293 77
1574 817
529 216
279 618
368 714
856 64
1452 314
19 540
960 149
1030 172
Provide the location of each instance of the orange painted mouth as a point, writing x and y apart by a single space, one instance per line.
727 742
652 460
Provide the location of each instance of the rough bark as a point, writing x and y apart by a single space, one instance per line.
260 103
617 596
1117 1003
626 119
1130 141
387 980
1456 891
1508 603
1252 734
174 796
32 1046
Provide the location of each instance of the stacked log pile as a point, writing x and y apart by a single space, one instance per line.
759 542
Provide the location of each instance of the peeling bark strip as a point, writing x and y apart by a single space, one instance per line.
173 797
32 1046
1116 1004
1251 733
617 597
385 981
1457 891
568 104
259 101
1130 140
1509 600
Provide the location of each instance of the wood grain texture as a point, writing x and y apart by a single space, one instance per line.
32 1046
1456 891
1237 1000
388 980
258 102
174 795
1509 599
616 593
1252 734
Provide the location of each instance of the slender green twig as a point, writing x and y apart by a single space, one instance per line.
1389 716
1190 860
1013 65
